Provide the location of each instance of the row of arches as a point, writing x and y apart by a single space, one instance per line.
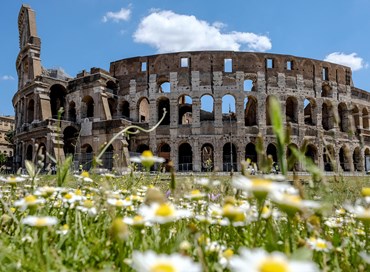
347 161
342 115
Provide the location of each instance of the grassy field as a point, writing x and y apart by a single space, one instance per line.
164 222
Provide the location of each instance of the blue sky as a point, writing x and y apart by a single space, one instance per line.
80 34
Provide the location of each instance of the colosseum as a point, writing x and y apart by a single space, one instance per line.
318 99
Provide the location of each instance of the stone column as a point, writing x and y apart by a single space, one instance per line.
196 157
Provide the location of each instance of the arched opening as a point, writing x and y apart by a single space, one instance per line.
291 110
112 106
228 108
87 107
250 111
326 90
327 116
329 158
125 109
70 135
30 111
311 152
229 157
112 87
185 157
72 112
294 166
144 110
344 159
309 109
357 160
86 156
251 153
29 153
107 158
164 103
141 148
185 110
343 117
207 157
356 117
272 151
207 112
365 118
165 87
248 85
367 159
164 151
57 99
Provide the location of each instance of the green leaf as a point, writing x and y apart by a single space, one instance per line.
31 168
63 170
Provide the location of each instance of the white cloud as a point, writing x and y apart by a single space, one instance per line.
6 77
121 15
350 60
171 32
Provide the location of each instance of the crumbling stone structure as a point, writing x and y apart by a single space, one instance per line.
318 100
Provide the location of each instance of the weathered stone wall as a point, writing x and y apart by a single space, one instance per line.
292 79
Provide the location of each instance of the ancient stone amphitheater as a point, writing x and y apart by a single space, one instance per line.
216 103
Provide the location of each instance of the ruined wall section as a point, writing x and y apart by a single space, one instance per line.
284 76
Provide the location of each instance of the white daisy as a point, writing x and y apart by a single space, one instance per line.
12 180
28 201
147 159
151 262
260 187
292 204
319 244
258 260
119 202
39 221
163 213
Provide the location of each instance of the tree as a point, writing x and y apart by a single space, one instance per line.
9 136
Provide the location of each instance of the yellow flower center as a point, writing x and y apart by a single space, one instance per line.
293 198
163 267
228 253
261 182
88 203
195 192
68 196
147 154
239 217
119 202
78 192
265 210
273 265
85 174
40 222
65 227
164 210
30 199
321 245
365 191
137 219
12 179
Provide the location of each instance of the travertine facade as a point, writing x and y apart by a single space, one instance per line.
6 124
318 100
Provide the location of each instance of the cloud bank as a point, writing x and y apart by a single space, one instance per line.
170 32
351 60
